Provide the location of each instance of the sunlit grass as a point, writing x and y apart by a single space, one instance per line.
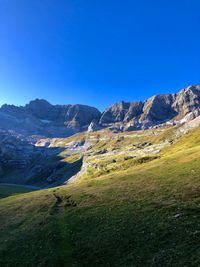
142 214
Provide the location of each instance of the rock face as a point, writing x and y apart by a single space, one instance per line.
41 118
159 109
121 112
94 126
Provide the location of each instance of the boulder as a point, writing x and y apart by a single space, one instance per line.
94 126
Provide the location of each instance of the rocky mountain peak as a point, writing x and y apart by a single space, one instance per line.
156 110
38 102
121 111
187 100
39 108
39 117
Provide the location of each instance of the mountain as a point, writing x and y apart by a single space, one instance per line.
28 134
135 202
159 109
111 198
39 118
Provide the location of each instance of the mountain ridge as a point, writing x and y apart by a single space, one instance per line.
39 117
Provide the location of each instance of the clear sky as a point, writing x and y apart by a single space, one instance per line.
97 52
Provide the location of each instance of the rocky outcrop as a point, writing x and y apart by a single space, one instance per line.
40 118
159 109
121 112
41 109
94 126
187 101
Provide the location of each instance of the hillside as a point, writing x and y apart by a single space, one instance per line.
142 211
35 150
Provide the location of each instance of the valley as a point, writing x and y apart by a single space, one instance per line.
102 197
142 211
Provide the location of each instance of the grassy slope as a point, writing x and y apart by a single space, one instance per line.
147 215
8 190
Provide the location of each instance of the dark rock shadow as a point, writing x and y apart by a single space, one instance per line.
45 168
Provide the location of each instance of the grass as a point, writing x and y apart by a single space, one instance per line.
9 190
145 215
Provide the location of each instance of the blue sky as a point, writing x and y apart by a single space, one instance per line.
97 52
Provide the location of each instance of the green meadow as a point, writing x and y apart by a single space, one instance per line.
145 213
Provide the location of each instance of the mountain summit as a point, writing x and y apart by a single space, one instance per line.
41 118
159 109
